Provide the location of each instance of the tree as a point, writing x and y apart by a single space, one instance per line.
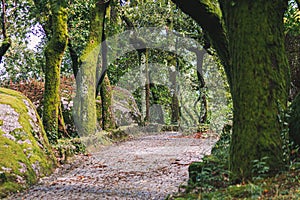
17 22
248 37
6 39
85 102
56 31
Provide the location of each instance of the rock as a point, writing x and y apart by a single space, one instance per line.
124 107
156 114
25 153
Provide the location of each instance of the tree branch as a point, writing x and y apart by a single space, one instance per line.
74 57
209 17
7 41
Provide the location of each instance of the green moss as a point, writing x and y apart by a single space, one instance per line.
260 82
54 54
25 151
99 110
106 97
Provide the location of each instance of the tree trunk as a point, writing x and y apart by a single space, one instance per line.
6 39
251 48
143 61
54 53
106 100
173 80
293 50
294 125
260 82
292 46
202 91
85 102
147 87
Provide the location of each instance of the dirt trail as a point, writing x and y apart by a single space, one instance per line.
148 167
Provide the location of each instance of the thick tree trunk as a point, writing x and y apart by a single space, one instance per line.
54 53
251 47
85 102
260 83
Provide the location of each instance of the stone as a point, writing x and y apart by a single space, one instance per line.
25 152
124 108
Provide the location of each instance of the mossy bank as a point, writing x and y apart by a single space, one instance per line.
25 153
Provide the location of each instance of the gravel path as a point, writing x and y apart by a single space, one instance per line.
148 167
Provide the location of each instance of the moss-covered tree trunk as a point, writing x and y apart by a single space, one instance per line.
85 103
260 83
54 53
106 98
249 39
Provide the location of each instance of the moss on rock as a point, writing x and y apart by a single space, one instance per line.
25 153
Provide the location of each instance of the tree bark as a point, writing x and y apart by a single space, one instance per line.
292 45
147 87
106 99
85 102
7 41
202 93
54 53
294 125
143 61
260 83
74 58
174 91
293 51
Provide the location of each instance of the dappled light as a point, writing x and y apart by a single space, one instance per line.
152 99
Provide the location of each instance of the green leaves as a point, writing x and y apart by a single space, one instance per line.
292 19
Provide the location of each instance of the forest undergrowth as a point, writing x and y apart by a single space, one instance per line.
210 178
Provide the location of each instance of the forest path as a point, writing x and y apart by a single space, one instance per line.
147 167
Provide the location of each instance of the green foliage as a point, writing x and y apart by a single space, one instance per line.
260 168
66 148
294 125
292 19
21 61
212 172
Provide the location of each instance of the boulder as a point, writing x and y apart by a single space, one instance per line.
25 153
124 107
